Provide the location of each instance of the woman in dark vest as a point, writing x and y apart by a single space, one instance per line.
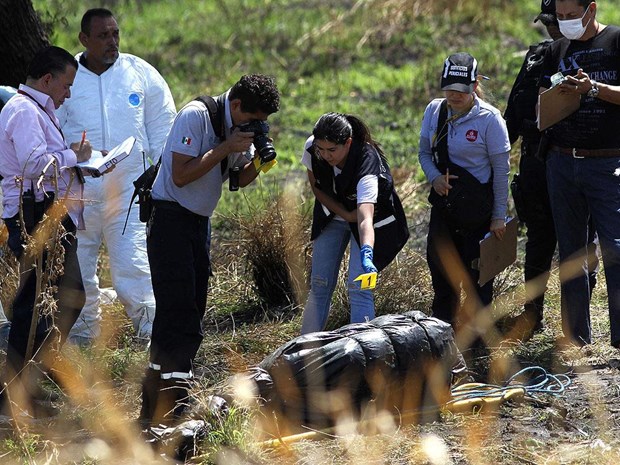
355 204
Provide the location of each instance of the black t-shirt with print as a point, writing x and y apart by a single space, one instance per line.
595 125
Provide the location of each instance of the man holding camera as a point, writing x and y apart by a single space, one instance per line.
197 158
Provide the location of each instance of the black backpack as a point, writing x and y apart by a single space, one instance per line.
520 112
143 186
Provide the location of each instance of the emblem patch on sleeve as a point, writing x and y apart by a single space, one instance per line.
186 141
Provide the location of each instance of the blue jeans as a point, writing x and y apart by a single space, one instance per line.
327 253
541 237
580 188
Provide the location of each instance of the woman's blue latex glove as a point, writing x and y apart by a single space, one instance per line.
366 257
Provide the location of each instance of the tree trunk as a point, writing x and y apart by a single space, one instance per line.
21 36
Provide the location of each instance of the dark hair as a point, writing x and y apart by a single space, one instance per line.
338 127
93 13
52 60
257 92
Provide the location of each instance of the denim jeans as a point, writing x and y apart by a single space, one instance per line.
327 253
541 237
580 188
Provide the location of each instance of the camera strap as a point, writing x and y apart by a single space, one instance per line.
440 139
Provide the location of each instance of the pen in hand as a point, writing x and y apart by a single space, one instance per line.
447 180
78 171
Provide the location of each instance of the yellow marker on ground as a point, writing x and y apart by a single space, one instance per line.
367 280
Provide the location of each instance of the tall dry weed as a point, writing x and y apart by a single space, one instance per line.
9 276
273 240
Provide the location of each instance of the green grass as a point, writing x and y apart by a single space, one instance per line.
379 59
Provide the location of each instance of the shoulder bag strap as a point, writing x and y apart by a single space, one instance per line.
440 139
216 115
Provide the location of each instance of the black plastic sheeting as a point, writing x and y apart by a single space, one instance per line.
399 363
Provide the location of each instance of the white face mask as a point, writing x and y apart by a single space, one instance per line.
573 29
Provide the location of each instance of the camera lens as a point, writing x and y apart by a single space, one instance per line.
265 149
262 144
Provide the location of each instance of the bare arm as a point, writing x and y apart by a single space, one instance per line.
331 204
248 174
609 93
186 169
581 84
365 214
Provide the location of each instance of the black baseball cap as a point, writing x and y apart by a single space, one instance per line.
547 12
459 73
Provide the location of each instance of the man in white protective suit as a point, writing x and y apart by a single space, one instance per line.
115 96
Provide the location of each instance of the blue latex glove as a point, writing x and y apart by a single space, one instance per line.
366 257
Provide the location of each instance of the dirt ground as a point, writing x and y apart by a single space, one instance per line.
578 426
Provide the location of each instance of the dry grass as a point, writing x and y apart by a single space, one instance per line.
102 396
255 305
8 271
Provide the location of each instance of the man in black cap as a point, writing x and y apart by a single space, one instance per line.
548 18
529 187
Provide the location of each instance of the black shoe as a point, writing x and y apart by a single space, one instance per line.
42 410
38 410
44 395
521 327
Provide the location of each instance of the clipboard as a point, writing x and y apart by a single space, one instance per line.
554 106
100 163
496 255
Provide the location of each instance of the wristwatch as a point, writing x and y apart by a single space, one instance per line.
594 90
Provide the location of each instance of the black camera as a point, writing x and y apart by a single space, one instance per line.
263 145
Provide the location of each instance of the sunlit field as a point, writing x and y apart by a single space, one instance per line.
379 59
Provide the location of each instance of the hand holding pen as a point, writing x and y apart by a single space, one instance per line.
441 183
83 149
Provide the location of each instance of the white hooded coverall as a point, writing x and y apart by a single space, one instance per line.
130 98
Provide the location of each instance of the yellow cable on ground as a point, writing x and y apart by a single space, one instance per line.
487 397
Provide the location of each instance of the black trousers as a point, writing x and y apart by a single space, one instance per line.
178 250
448 252
70 298
541 237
